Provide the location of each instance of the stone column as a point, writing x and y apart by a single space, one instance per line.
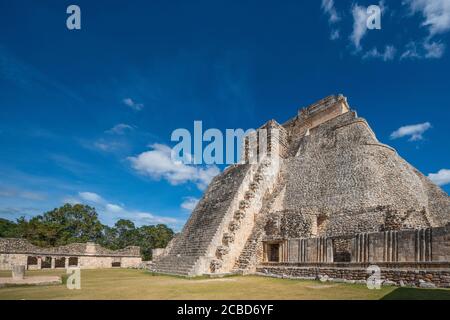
53 263
39 263
66 262
18 272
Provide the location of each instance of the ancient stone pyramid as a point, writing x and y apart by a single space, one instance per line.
325 174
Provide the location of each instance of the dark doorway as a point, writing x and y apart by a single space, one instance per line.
273 252
60 262
73 262
46 263
32 261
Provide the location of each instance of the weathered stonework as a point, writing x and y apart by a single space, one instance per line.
84 255
322 179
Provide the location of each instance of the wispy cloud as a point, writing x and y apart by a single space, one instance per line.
132 104
189 203
436 14
335 34
120 129
92 197
70 164
441 178
359 14
329 9
23 194
387 55
434 50
107 145
414 132
111 211
424 50
157 163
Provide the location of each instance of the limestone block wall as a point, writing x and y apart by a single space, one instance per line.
343 174
421 245
88 255
7 260
310 250
411 275
405 246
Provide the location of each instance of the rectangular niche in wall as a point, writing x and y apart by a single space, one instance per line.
116 262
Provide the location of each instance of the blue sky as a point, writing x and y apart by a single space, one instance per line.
86 115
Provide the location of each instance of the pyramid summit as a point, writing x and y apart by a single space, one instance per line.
326 191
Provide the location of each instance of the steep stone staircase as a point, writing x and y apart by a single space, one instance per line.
213 238
239 228
252 251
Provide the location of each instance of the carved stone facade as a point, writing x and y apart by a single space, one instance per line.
84 255
325 179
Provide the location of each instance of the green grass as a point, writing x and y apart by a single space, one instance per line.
139 284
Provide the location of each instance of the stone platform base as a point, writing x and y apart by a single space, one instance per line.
38 280
354 273
218 275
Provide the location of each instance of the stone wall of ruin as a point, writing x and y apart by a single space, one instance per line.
89 255
342 174
407 274
410 256
420 245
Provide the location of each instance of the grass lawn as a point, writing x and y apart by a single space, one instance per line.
139 284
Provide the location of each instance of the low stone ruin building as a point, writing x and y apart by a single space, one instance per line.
83 255
317 195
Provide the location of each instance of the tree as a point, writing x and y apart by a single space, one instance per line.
8 229
80 223
67 224
151 237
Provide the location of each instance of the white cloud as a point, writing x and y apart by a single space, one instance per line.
91 196
435 12
120 129
132 104
158 163
329 9
114 208
414 132
387 55
425 50
111 212
108 146
148 218
335 34
411 52
441 178
359 25
24 194
189 203
434 50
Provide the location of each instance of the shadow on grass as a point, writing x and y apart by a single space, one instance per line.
417 294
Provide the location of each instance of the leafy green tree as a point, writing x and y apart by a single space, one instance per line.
151 237
67 224
80 223
8 229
